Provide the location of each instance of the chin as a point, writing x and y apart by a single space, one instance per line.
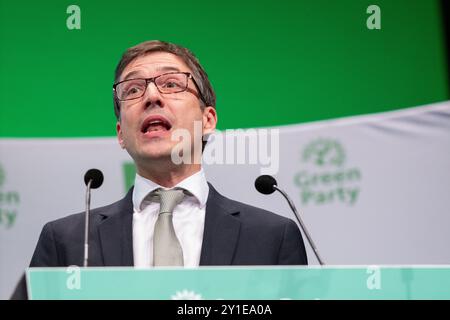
156 153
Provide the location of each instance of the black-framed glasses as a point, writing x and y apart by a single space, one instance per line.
171 82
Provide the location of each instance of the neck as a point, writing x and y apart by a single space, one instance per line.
167 175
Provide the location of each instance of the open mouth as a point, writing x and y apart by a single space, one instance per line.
155 124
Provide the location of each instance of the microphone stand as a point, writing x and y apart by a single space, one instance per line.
86 224
305 231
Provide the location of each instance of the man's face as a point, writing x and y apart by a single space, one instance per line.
147 123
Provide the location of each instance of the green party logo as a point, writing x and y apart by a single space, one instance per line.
9 202
325 178
2 176
129 173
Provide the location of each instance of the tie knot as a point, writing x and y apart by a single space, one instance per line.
168 199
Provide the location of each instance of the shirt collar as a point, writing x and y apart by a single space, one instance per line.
195 184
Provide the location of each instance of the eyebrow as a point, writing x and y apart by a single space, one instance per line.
137 73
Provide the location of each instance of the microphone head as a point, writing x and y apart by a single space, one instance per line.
96 176
265 183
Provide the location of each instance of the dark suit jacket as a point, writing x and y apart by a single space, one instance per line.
234 234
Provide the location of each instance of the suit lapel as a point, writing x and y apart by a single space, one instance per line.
220 235
115 231
221 230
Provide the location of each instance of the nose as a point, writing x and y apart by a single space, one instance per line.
152 96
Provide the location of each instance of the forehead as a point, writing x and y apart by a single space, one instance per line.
154 63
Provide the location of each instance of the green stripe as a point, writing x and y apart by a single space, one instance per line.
271 62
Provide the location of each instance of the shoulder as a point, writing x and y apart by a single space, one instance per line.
73 222
265 238
248 213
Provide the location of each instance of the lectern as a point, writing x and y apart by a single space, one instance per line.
235 283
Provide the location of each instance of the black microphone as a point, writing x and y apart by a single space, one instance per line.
93 179
266 185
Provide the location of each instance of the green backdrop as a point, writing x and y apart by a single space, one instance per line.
271 62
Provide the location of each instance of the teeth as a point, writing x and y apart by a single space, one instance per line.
157 125
155 128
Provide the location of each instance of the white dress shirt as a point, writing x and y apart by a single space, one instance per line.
188 219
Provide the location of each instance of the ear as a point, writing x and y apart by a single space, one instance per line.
209 120
120 135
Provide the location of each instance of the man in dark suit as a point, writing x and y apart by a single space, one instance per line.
165 106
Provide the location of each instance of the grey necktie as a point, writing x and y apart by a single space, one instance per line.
167 250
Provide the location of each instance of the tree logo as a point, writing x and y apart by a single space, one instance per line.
186 295
323 152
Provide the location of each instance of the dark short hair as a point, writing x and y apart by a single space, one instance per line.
144 48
